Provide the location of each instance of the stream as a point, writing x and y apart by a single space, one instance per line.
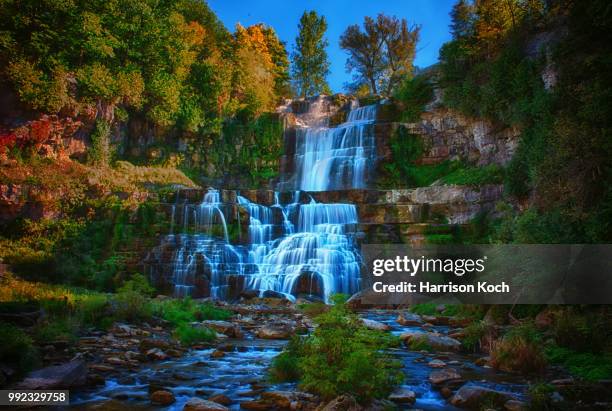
241 375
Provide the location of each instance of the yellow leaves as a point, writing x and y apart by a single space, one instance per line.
253 38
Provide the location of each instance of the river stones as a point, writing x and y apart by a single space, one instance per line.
342 403
198 404
436 342
64 376
442 376
375 325
221 399
409 319
162 397
472 396
436 364
156 354
224 327
403 396
269 332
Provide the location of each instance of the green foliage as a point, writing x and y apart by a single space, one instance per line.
520 350
540 395
340 357
131 302
474 334
189 335
583 329
413 94
475 176
587 365
100 151
16 348
382 54
286 366
181 311
310 65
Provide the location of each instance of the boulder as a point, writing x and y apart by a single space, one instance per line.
442 376
224 327
473 396
515 405
162 397
198 404
437 342
220 399
148 343
342 403
156 354
436 364
256 405
65 376
403 396
274 333
407 318
375 325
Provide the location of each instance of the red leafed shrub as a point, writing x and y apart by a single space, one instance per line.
7 141
40 130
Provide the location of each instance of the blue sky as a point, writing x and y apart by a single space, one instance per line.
284 15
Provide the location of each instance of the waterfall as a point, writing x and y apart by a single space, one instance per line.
292 249
335 158
300 247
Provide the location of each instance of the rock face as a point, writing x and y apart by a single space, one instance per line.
472 396
448 135
65 376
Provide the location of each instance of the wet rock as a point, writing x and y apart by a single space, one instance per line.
257 405
224 327
403 396
435 320
148 343
436 364
442 376
156 354
342 403
198 404
162 397
69 375
274 333
217 354
515 405
115 361
355 303
101 368
407 318
220 399
446 392
473 396
375 325
482 361
95 379
435 341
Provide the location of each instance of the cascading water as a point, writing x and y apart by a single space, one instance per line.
302 247
335 158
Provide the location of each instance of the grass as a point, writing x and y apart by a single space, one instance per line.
189 335
520 351
586 365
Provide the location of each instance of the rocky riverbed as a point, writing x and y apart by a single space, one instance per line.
141 367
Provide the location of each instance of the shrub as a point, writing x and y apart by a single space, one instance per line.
180 311
588 331
413 94
342 357
591 367
16 348
286 366
131 303
189 335
519 351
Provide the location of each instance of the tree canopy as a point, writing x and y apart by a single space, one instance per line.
383 53
310 63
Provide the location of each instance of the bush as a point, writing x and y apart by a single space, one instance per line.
131 303
286 366
520 350
17 349
591 367
180 311
189 335
582 331
413 94
341 357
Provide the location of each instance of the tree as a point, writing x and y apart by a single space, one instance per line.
462 19
310 64
383 53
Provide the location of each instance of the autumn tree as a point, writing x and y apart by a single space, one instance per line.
310 64
462 19
383 53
